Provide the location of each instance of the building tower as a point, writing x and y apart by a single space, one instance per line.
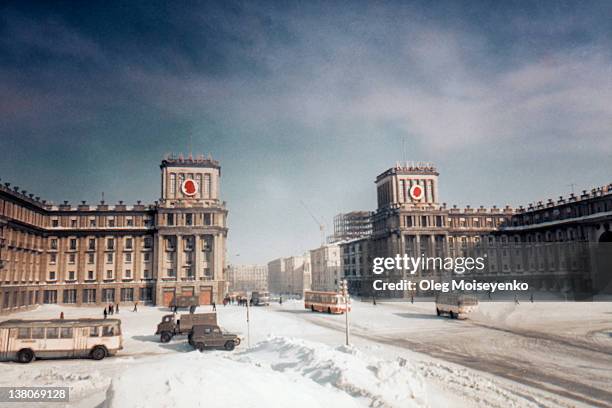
192 230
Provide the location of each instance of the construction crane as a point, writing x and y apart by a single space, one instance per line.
319 223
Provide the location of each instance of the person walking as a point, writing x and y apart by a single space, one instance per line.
117 308
135 306
374 300
105 313
214 305
516 301
62 315
531 298
280 300
110 309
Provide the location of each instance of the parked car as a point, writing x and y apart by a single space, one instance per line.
172 325
204 336
457 305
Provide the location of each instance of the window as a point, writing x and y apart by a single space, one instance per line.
128 257
108 295
66 332
408 221
170 219
127 294
90 275
71 275
111 221
52 332
423 221
172 183
90 258
38 332
73 244
92 222
89 295
51 275
73 223
92 244
188 219
94 332
207 219
71 258
52 258
207 186
109 274
438 220
108 331
53 243
128 243
171 272
109 258
23 333
55 223
70 296
128 274
148 242
110 243
129 222
146 257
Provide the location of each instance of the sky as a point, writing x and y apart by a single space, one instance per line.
305 102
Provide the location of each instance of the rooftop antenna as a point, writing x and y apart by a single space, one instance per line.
190 145
572 185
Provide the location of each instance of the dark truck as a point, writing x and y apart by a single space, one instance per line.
185 302
172 325
211 336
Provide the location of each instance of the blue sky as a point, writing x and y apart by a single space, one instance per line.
305 101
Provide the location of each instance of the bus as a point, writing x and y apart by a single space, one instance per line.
260 298
25 340
330 302
457 305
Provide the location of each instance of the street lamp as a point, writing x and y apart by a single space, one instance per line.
345 294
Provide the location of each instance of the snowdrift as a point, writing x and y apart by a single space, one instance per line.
277 372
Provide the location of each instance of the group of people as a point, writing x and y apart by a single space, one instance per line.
111 309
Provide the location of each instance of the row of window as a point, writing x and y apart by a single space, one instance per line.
64 332
90 276
92 222
147 243
204 190
89 295
91 258
190 219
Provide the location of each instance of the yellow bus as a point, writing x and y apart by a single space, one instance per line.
25 340
330 302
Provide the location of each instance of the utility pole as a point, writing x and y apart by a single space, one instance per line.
248 323
345 293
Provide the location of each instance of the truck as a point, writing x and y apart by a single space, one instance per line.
184 302
204 336
260 298
457 305
173 325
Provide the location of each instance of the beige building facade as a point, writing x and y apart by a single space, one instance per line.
326 267
98 254
247 278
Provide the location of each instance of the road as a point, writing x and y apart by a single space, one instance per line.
569 362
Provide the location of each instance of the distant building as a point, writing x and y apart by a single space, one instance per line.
356 260
247 278
276 275
326 267
351 225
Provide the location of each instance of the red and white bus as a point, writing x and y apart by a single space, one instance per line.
330 302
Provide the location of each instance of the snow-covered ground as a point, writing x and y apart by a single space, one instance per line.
401 355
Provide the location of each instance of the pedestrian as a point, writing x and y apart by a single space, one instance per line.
516 301
110 309
117 308
135 307
374 300
105 313
412 299
62 315
214 305
531 298
280 300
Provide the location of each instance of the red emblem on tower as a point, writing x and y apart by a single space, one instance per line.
189 187
416 192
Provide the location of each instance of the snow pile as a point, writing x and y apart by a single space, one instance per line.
212 380
80 384
377 382
277 372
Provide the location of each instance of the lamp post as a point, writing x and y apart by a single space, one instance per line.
345 294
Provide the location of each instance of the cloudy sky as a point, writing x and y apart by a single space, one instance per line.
305 101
